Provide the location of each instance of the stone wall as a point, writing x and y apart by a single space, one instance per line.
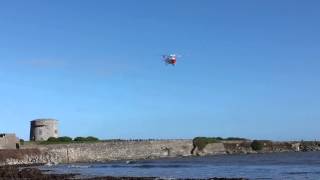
106 151
119 150
134 150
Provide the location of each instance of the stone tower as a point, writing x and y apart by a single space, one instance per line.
42 129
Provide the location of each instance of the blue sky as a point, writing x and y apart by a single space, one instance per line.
248 68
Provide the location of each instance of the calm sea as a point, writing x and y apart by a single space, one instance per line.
297 166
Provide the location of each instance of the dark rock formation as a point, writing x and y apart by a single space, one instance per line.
13 172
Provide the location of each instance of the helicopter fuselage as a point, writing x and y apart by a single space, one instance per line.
171 60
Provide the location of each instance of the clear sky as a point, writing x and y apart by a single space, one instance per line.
248 68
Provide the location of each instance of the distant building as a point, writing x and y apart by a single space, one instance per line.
9 141
43 129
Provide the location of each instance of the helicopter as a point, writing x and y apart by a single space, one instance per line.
170 59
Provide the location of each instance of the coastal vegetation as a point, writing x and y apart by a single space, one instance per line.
256 145
86 139
60 139
21 141
201 142
66 139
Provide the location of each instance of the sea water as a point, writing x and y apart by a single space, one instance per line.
293 165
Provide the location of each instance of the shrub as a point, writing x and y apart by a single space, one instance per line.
257 145
64 139
79 139
86 139
236 139
21 141
91 138
201 142
52 139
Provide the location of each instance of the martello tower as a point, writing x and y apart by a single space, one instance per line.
42 129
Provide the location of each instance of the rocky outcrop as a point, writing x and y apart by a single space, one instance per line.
309 146
16 173
244 147
239 147
210 149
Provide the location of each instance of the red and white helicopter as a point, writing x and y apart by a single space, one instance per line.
170 59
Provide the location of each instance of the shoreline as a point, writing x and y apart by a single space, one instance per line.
139 150
33 172
36 171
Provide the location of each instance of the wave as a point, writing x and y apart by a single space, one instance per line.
146 166
302 173
79 166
